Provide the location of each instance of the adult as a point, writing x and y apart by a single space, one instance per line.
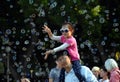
112 67
104 74
55 72
68 75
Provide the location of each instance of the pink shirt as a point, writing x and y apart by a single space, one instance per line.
115 75
72 49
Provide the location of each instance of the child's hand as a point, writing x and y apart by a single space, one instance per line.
46 56
47 53
46 29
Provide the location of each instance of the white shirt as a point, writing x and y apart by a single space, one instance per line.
71 77
85 72
107 80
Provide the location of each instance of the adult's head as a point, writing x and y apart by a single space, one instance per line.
110 64
63 58
67 30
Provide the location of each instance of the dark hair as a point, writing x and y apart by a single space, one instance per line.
105 70
61 53
70 26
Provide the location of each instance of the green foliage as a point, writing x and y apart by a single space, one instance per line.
97 33
1 68
67 10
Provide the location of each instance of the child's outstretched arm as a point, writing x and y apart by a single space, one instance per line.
62 47
51 35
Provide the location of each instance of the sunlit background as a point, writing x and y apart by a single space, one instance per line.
22 42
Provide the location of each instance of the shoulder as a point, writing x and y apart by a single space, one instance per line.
71 39
53 69
115 72
87 73
84 68
100 80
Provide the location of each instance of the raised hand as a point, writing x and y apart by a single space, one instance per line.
46 29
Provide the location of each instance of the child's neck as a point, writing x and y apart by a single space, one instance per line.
68 37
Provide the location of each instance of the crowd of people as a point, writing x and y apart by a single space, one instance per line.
109 72
68 66
68 61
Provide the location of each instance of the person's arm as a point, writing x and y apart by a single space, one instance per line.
50 80
48 30
51 35
62 47
87 73
51 75
57 38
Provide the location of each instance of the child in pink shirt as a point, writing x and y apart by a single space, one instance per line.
69 44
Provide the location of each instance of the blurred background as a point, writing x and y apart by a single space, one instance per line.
22 42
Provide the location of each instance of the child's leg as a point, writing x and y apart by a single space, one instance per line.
62 75
76 68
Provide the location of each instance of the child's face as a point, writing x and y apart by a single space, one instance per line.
103 73
66 31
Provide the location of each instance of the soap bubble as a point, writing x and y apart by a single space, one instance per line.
21 10
82 46
102 20
105 38
11 6
8 31
28 59
26 42
18 70
63 13
17 42
54 4
29 66
116 30
14 58
23 31
103 43
24 48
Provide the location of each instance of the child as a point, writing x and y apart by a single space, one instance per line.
69 43
66 38
104 74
